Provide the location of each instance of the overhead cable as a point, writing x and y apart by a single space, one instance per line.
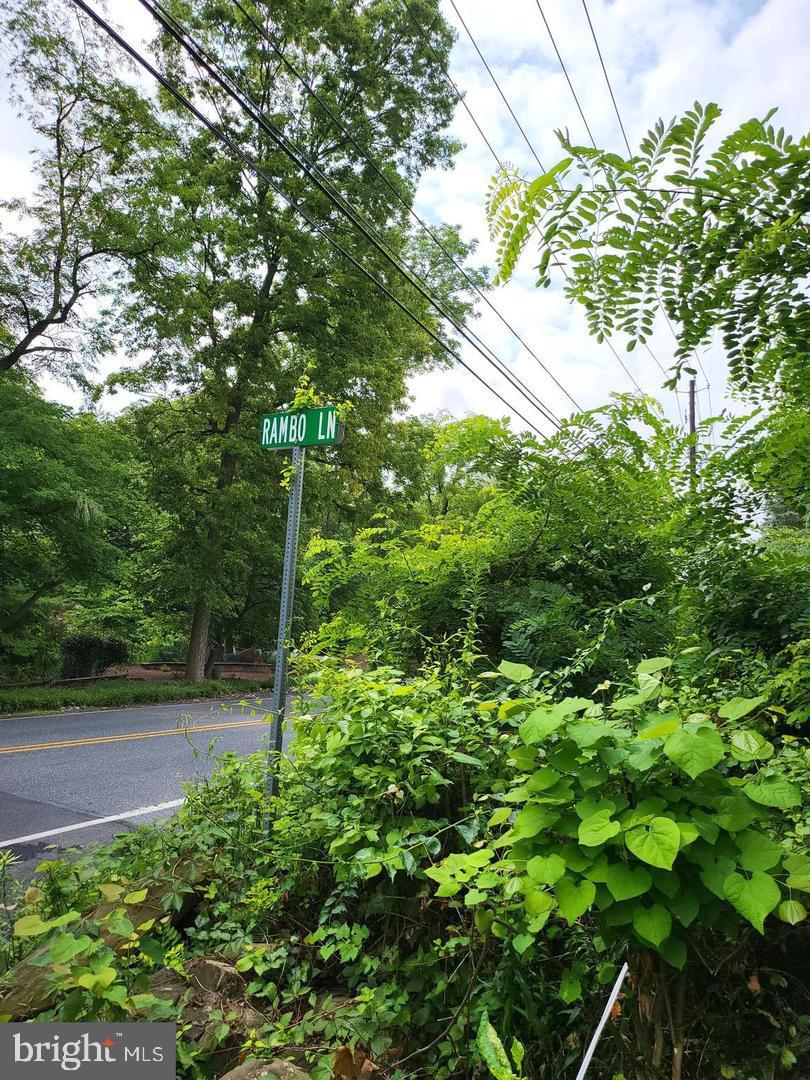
406 203
498 161
223 137
324 184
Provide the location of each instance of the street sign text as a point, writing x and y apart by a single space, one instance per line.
305 427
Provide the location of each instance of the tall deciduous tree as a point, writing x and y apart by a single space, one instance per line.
67 498
251 296
92 132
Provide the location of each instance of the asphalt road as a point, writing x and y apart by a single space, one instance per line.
69 769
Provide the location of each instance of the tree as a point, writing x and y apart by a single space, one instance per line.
67 495
92 132
246 297
717 240
531 552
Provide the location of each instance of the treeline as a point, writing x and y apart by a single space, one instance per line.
147 251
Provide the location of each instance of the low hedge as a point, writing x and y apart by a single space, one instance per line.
115 694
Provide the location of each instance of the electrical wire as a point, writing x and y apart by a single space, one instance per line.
491 74
460 97
178 95
324 184
449 78
607 79
279 52
565 72
630 155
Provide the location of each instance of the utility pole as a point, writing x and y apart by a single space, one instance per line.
692 446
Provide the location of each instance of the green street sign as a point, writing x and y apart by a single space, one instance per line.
305 427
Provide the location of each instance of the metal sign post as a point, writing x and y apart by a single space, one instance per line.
281 431
278 707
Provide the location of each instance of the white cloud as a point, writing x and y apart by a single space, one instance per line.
661 56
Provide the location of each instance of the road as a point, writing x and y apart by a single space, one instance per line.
59 773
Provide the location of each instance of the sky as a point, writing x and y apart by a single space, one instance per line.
661 56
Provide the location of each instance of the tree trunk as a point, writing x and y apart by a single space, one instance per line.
198 641
197 660
12 620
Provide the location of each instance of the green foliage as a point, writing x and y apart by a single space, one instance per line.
92 134
66 495
441 868
535 555
113 693
87 654
715 238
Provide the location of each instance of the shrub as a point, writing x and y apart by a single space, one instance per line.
114 693
87 654
390 909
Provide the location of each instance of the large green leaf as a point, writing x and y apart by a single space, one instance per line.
757 851
545 869
652 924
531 820
574 900
753 897
739 707
625 881
798 868
543 779
750 746
695 749
776 791
792 911
597 828
539 724
660 726
655 663
674 952
734 812
515 672
492 1050
570 986
587 732
656 842
684 906
537 902
714 874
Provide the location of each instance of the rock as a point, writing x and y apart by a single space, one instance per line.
214 976
29 988
274 1067
167 985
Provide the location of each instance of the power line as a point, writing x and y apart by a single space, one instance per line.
449 78
293 203
661 367
497 86
607 79
325 185
499 163
279 52
630 155
565 72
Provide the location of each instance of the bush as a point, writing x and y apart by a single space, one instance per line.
116 693
388 907
87 654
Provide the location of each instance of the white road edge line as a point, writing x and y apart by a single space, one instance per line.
96 821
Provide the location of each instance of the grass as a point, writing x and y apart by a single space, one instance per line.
116 694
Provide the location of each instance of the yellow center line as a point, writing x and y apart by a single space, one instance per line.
94 740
